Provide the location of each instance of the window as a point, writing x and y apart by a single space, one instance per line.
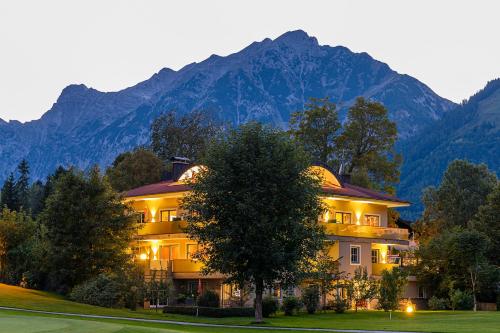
342 217
141 217
422 293
190 250
169 252
355 254
372 220
168 215
375 256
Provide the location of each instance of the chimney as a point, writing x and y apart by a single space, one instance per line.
179 165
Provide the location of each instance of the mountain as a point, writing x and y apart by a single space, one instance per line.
266 81
471 131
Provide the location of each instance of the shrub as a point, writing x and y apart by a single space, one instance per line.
435 303
310 298
210 299
210 312
104 290
461 300
269 306
291 304
339 305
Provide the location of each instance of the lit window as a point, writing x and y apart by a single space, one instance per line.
341 217
191 250
141 217
375 256
372 220
355 254
168 215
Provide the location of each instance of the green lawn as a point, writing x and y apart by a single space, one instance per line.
424 321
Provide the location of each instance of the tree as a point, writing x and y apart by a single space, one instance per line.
133 169
9 197
22 185
361 287
16 228
255 209
184 136
487 221
366 146
89 229
464 188
391 289
316 129
467 251
324 270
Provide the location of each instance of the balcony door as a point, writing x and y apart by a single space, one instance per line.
169 251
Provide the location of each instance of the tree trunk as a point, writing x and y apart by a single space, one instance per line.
473 282
259 287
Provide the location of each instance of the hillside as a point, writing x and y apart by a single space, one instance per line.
471 132
266 81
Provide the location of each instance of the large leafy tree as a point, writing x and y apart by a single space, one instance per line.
133 169
89 229
185 136
366 146
464 188
316 129
467 252
255 209
9 196
487 221
16 228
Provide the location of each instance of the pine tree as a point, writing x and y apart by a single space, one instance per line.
22 185
9 194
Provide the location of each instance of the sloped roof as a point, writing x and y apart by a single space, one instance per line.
353 191
339 189
167 186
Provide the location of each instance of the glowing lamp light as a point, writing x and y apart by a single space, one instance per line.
143 256
327 216
358 216
410 308
154 248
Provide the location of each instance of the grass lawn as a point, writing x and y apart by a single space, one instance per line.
423 321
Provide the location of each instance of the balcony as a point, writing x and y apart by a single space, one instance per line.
365 231
158 228
377 269
186 266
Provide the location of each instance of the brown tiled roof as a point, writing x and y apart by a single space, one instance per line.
349 190
167 186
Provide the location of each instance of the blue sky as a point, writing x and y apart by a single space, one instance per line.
46 45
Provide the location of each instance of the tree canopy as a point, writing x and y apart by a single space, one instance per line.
363 148
135 168
255 208
89 229
184 136
317 129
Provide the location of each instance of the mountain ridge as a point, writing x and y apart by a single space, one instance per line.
264 81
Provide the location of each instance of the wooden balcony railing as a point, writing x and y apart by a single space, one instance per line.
354 230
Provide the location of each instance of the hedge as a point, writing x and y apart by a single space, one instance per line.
210 312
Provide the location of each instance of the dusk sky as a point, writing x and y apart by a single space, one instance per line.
452 46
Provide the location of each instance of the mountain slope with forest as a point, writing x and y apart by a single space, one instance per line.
471 132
